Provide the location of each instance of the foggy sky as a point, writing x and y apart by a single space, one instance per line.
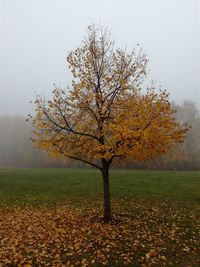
36 35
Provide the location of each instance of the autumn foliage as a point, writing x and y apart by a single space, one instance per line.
104 115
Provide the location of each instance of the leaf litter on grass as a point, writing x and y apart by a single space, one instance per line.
144 234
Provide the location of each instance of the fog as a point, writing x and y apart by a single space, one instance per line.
36 35
16 150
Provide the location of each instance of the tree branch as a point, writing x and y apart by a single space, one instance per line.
69 129
85 161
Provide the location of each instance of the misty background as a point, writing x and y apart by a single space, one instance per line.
36 36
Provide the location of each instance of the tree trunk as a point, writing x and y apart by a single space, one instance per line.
107 208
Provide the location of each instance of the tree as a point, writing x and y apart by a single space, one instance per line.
104 115
188 152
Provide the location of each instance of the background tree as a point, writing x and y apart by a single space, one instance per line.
184 156
188 153
104 115
16 151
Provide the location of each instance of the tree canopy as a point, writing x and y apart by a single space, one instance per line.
104 114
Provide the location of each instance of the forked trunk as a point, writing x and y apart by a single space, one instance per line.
106 188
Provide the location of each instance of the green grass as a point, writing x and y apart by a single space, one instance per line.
39 186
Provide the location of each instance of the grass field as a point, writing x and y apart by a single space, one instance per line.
57 185
50 217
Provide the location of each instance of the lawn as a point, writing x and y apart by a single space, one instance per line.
51 217
57 185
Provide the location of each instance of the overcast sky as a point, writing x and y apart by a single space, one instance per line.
35 36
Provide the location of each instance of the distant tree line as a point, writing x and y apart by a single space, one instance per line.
17 151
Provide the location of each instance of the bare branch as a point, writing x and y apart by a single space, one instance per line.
85 161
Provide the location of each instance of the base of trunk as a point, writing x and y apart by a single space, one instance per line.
106 187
